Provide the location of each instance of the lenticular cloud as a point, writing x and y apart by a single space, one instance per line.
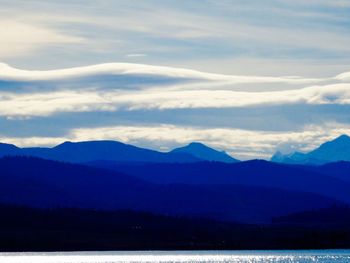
121 86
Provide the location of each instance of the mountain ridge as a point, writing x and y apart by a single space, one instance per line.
43 183
109 150
86 151
335 150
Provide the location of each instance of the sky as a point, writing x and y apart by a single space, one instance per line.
248 77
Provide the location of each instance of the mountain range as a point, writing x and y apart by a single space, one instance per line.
80 152
190 181
89 151
40 183
331 180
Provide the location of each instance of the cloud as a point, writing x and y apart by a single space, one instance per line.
45 104
344 76
116 69
19 38
159 99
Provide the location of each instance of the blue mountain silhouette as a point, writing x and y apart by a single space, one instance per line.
204 152
42 183
339 170
257 173
332 151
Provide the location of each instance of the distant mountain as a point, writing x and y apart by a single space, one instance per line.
78 152
339 170
336 150
292 158
256 173
204 152
332 151
48 184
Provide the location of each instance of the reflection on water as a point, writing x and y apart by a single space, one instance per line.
327 256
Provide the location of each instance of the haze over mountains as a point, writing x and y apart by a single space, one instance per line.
88 151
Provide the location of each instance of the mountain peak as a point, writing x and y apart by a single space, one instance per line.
197 145
65 143
204 152
7 145
342 138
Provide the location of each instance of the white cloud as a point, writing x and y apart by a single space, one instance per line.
48 103
344 76
160 99
114 69
196 90
45 104
42 92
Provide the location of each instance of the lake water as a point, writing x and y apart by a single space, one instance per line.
180 256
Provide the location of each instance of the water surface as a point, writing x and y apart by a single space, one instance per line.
181 256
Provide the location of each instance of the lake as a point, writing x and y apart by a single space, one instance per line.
181 256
